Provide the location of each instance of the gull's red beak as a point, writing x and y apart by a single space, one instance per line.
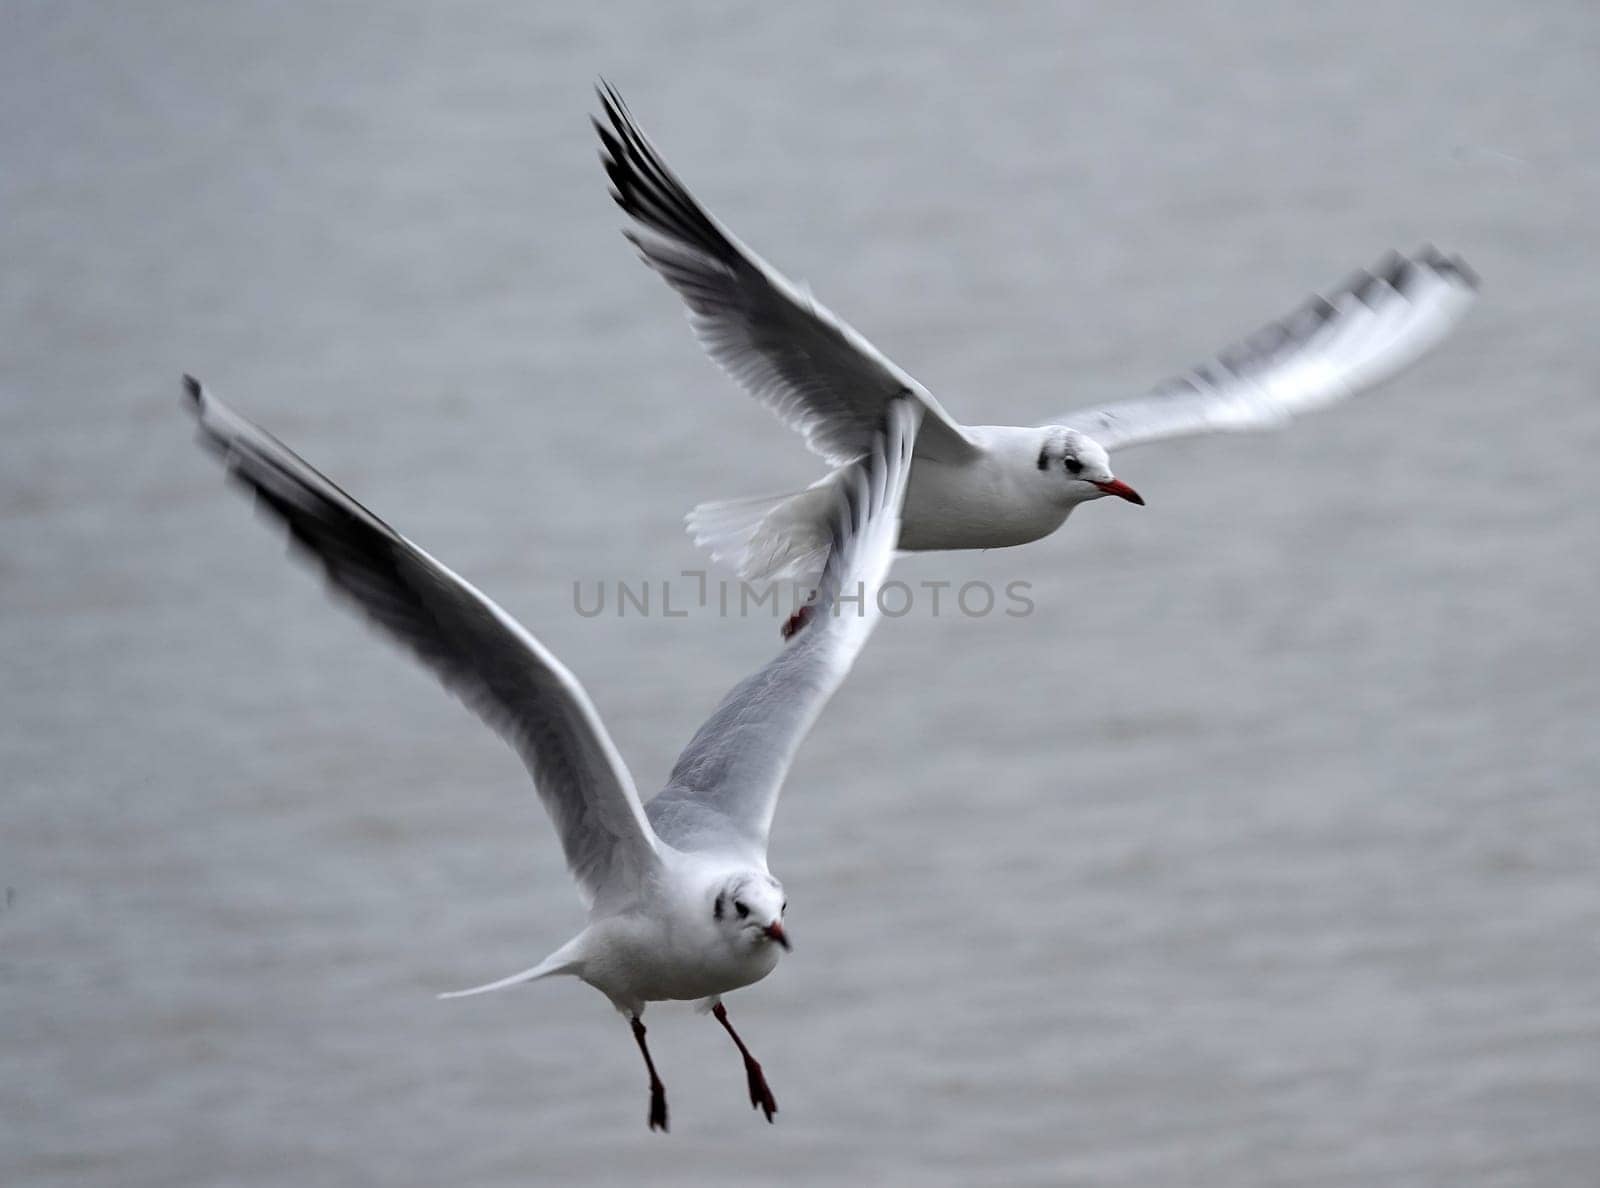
776 933
1121 489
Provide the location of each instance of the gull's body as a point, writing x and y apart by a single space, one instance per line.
988 500
979 487
682 906
662 946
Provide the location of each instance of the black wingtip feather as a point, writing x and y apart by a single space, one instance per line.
1449 266
193 390
1370 287
647 190
1462 271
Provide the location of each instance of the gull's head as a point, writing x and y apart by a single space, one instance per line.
748 909
1081 467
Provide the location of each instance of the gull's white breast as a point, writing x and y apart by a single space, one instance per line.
644 958
998 498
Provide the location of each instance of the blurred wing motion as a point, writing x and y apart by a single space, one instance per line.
480 653
724 788
781 346
1331 349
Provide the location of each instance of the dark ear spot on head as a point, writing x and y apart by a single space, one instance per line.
716 908
1044 458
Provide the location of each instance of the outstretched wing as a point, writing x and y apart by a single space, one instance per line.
1332 348
502 673
724 788
781 346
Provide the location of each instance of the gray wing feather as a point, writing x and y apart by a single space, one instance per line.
1332 348
724 788
816 373
479 652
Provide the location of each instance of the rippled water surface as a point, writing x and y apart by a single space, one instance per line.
1263 852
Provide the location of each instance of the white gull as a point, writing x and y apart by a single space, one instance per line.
682 905
983 486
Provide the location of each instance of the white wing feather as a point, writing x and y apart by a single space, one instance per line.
723 790
770 335
481 653
1329 350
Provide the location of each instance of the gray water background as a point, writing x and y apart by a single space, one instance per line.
1263 852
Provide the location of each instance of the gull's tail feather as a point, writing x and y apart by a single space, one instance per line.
768 537
556 963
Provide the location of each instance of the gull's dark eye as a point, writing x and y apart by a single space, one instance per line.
1072 464
784 908
741 909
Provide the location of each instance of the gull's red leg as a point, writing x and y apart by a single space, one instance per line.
760 1096
796 621
801 616
658 1091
